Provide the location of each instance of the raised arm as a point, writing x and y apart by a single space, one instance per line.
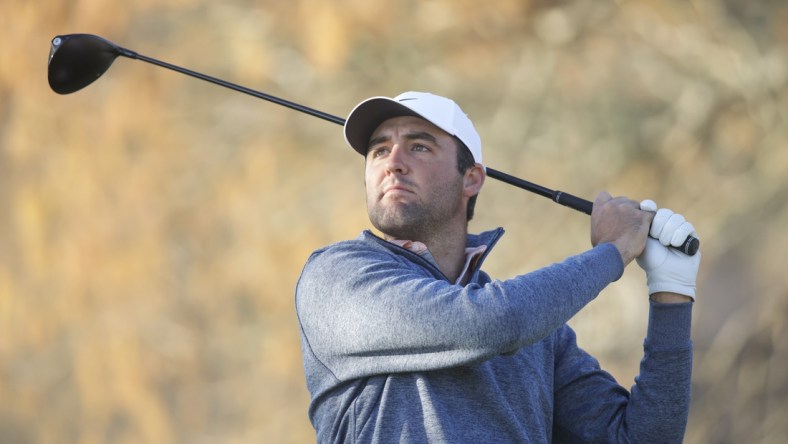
364 311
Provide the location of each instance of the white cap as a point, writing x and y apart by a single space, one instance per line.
440 111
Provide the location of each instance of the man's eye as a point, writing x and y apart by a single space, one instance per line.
420 147
376 152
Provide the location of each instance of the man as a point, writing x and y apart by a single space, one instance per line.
405 339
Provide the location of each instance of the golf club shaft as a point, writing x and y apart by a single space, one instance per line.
236 87
560 197
566 199
690 246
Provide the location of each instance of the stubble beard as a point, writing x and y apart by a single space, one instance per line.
406 221
415 220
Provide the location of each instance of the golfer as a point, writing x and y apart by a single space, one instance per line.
406 339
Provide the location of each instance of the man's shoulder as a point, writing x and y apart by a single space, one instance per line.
364 241
344 261
348 251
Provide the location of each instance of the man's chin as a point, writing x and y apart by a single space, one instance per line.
397 226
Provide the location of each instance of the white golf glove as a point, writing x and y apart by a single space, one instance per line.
668 269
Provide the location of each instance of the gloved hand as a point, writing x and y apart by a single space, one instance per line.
668 269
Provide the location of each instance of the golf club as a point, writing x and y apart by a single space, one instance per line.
77 60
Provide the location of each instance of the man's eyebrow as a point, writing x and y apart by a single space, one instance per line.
416 135
421 135
376 140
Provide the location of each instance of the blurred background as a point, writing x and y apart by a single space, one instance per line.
153 226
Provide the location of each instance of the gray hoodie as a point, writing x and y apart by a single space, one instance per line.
394 352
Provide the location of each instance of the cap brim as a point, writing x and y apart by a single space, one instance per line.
367 116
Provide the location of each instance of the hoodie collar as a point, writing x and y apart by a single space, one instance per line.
485 239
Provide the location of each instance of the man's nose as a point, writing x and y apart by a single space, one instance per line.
397 160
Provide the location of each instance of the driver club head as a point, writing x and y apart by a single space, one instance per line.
77 60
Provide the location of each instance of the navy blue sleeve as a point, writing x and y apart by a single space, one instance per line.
590 406
363 312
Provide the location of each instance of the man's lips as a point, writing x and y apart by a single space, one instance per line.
396 189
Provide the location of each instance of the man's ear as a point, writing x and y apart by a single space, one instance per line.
473 180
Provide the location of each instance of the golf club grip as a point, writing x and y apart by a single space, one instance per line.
573 202
689 247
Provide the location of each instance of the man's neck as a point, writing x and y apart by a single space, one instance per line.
450 258
448 250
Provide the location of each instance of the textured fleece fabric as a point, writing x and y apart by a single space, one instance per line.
394 353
